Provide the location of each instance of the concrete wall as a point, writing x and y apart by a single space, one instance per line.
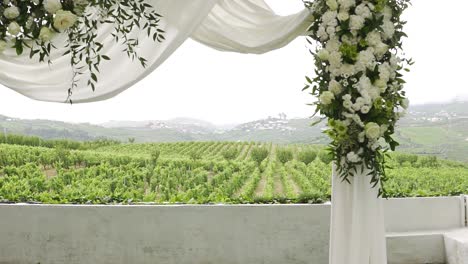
244 234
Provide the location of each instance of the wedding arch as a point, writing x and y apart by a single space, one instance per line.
71 51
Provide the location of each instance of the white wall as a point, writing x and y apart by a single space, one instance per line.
244 234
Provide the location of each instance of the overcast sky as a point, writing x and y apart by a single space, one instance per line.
226 88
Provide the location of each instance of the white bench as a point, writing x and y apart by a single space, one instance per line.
416 229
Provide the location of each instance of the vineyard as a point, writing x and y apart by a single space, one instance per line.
198 173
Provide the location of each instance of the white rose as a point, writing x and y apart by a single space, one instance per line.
46 34
335 87
335 59
3 46
63 20
14 29
381 49
332 4
353 157
329 19
372 131
381 84
385 72
343 16
388 29
346 4
363 11
52 6
374 38
347 97
356 22
327 97
323 54
11 12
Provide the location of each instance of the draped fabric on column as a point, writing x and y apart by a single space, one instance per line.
244 26
357 225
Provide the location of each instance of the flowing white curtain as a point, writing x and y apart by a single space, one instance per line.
357 225
245 26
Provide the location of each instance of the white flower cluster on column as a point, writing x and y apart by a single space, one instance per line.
359 80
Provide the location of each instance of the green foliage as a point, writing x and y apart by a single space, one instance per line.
325 156
259 154
123 173
284 155
307 156
230 154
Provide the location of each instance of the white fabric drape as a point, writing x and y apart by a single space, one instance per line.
247 26
357 226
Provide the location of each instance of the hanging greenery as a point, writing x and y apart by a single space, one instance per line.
358 80
30 25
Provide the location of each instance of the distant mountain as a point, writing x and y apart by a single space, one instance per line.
436 129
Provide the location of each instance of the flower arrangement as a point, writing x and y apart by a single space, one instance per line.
32 24
359 80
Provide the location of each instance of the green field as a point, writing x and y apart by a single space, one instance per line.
199 173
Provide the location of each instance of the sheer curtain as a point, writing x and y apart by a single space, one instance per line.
245 26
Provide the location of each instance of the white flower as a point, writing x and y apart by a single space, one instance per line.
347 70
333 45
388 29
361 137
327 97
394 61
347 104
405 103
364 84
11 12
372 131
335 87
363 11
388 13
329 19
3 46
323 54
374 146
347 97
366 60
353 157
332 4
343 16
381 49
14 29
346 4
374 38
385 72
45 34
356 22
331 31
365 109
52 6
64 20
335 59
381 84
322 33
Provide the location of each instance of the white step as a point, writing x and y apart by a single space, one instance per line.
456 246
421 247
